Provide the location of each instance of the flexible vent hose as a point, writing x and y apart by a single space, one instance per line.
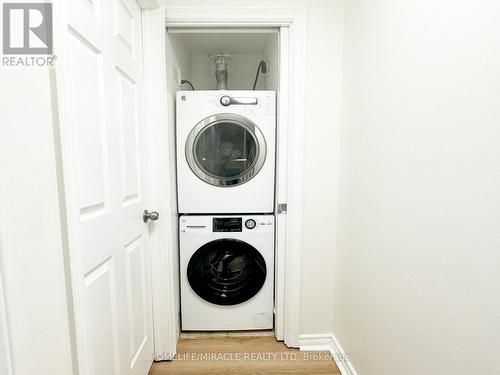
261 68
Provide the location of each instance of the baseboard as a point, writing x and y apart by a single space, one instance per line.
328 342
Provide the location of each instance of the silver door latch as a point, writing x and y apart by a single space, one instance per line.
282 207
153 215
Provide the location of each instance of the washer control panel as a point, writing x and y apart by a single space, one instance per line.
227 224
223 225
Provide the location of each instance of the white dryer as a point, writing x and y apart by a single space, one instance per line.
227 272
226 151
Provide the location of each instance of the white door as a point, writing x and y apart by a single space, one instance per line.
102 134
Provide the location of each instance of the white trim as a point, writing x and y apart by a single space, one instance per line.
328 342
281 188
294 182
294 20
148 4
221 30
5 353
162 240
233 16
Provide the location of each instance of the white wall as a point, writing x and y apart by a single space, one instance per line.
246 50
271 54
31 247
417 287
322 111
242 69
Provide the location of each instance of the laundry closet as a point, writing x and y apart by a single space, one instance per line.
222 87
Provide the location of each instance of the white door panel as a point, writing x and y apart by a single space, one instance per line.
105 158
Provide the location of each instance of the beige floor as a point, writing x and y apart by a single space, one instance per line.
242 355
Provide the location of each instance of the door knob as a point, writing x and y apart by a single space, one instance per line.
153 215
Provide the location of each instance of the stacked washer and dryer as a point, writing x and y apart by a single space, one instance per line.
226 174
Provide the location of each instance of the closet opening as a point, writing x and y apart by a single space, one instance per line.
239 60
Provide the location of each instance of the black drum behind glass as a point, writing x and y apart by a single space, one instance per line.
226 272
225 149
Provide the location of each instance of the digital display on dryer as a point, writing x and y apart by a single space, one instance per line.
227 224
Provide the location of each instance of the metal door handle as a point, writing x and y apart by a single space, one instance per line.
153 215
228 100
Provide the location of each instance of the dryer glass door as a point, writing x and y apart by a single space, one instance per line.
226 272
225 150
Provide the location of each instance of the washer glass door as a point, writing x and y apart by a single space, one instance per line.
226 272
225 150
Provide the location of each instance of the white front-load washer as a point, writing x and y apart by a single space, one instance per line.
226 151
227 272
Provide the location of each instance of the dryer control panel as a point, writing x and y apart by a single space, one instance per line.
241 102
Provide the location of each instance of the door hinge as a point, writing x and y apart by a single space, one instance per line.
282 207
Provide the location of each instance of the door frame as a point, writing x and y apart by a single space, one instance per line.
289 187
163 241
5 351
